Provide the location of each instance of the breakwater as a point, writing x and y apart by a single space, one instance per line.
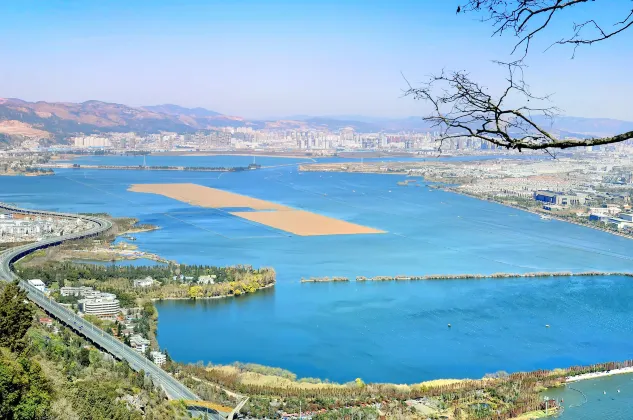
493 276
403 277
151 168
323 279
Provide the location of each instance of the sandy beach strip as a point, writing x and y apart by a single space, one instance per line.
288 219
304 223
595 375
198 195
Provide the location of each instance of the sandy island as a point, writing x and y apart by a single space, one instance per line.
288 219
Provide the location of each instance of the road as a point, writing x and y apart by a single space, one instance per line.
172 387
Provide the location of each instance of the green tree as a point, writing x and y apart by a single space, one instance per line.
84 357
16 315
24 391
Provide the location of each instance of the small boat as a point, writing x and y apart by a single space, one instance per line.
545 217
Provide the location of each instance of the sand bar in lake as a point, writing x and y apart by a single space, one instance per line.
288 219
304 223
197 195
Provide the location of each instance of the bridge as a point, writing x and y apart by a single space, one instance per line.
172 387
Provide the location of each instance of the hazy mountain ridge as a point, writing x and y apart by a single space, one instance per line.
65 118
62 119
171 109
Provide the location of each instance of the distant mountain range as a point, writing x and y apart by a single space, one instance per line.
61 119
57 120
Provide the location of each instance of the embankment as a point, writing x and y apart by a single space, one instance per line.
403 277
324 279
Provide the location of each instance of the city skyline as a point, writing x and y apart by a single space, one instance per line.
283 59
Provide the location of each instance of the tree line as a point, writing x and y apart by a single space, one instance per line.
60 272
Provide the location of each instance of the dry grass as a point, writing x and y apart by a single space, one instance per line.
18 128
253 378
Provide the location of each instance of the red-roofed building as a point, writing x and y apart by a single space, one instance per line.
46 321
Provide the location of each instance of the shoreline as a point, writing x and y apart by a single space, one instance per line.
454 190
27 174
596 375
233 153
553 216
151 257
213 297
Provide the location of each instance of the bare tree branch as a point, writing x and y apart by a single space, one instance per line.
463 108
527 18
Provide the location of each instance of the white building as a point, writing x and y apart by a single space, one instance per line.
604 211
206 279
38 284
158 358
76 291
106 306
146 282
619 223
138 343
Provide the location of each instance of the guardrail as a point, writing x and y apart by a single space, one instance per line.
172 387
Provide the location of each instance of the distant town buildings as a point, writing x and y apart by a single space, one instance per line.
91 141
25 228
314 140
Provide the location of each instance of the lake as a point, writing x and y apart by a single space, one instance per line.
387 332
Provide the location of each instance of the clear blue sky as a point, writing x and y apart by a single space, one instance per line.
260 58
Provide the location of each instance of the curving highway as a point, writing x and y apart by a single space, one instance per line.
173 388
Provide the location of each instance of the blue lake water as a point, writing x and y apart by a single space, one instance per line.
190 161
378 331
601 399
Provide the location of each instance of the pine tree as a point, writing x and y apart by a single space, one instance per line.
16 315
